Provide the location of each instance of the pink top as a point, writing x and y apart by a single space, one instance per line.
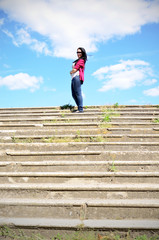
80 66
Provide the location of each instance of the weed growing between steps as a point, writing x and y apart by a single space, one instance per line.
7 233
105 125
156 120
24 140
55 139
77 138
67 106
112 168
62 120
106 118
116 105
63 115
108 114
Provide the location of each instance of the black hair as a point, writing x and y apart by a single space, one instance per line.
84 55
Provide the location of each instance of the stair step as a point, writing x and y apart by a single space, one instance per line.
89 146
98 209
66 114
77 118
79 174
78 125
87 136
79 163
65 193
83 138
146 224
87 108
138 130
80 166
41 131
78 177
49 124
136 203
79 155
82 187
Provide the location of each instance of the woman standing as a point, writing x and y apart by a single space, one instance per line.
77 75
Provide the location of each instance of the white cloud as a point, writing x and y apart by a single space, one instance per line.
69 24
6 65
1 21
21 81
9 34
47 89
125 75
23 37
154 92
149 82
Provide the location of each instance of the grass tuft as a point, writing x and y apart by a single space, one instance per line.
107 118
67 106
113 168
156 120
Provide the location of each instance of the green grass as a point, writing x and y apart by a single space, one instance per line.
106 118
113 168
105 125
107 110
77 138
108 113
54 139
7 233
63 115
50 121
67 106
24 140
156 120
78 133
116 105
62 120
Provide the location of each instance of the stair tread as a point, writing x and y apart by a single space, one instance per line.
82 187
78 163
78 202
81 135
79 174
77 152
89 223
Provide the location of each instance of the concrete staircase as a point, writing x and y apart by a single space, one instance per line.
98 169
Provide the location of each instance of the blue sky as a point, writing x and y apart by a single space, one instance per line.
39 39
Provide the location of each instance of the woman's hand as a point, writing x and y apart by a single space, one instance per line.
73 71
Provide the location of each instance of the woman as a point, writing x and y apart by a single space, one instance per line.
77 74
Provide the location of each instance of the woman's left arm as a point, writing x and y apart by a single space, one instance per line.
79 64
73 71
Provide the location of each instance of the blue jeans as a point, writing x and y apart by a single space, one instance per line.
77 93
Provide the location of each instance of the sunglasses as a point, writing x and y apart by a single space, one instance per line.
79 52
